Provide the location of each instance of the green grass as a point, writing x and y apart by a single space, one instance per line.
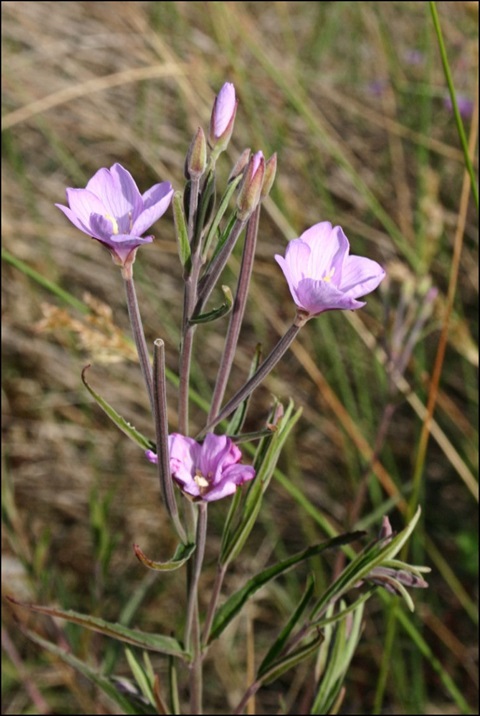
390 168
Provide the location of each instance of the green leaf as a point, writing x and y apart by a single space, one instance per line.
360 567
184 250
216 312
182 555
291 660
134 637
140 675
235 603
280 642
212 232
120 422
335 656
238 417
234 542
105 684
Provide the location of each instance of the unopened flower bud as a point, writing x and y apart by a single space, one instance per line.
386 531
240 165
252 186
269 178
196 160
223 118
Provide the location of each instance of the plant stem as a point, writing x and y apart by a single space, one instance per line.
265 368
161 428
218 264
138 334
217 587
192 627
238 311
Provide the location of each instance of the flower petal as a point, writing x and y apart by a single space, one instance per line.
361 276
233 476
155 203
315 297
83 204
118 191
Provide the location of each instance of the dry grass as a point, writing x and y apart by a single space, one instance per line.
87 84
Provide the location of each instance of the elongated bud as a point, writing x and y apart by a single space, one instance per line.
223 118
196 159
386 531
252 186
269 178
240 165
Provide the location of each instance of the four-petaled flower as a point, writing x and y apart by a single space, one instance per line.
321 274
207 471
111 210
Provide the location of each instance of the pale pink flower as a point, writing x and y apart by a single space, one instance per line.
111 210
321 274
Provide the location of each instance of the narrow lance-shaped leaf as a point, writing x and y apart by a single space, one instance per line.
219 215
140 675
338 650
152 642
184 250
120 422
235 542
293 659
181 556
278 645
235 603
363 564
105 684
259 485
216 313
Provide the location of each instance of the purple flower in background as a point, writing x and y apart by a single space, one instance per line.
321 274
465 105
414 57
111 210
223 117
207 471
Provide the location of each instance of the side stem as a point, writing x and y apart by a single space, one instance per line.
238 311
265 368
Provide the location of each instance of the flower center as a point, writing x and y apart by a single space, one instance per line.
113 221
329 275
201 481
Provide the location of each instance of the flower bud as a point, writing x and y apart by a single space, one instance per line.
196 159
240 165
269 178
223 118
252 186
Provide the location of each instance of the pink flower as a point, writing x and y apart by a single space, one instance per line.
223 117
111 210
321 274
207 471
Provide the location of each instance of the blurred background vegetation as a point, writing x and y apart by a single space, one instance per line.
353 98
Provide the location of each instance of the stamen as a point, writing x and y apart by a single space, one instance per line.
328 276
113 221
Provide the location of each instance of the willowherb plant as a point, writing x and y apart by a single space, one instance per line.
195 470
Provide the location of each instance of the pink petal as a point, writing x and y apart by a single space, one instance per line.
361 276
155 203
